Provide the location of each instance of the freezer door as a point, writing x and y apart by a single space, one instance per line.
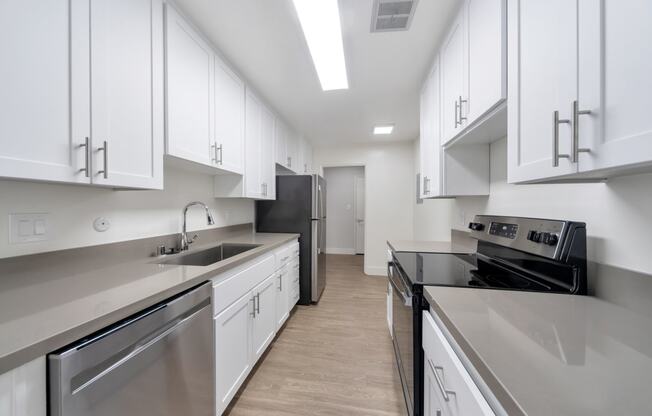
318 272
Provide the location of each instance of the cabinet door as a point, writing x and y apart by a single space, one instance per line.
264 322
615 83
189 91
229 118
127 92
281 143
486 56
282 297
23 390
232 349
267 166
430 144
433 405
292 151
542 66
306 152
452 72
253 126
44 84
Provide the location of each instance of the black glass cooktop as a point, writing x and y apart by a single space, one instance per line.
468 270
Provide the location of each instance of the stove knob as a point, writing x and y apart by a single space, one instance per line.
552 239
531 234
537 237
476 226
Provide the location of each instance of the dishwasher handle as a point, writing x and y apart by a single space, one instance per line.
88 379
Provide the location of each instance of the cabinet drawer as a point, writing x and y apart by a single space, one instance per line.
283 255
457 392
230 286
294 250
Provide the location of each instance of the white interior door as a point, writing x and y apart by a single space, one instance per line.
127 92
44 89
359 209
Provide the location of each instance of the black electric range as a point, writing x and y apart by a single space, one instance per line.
513 253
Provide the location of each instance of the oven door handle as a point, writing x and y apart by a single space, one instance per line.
407 300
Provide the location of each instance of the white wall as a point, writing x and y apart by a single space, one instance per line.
340 202
133 214
617 213
389 201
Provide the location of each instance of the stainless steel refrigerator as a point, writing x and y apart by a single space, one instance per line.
300 207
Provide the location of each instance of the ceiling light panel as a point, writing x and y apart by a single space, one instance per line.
320 21
385 129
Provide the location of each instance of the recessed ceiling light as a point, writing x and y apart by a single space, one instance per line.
385 129
320 21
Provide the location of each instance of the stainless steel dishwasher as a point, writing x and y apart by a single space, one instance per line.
158 362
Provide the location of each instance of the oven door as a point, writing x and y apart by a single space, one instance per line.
402 329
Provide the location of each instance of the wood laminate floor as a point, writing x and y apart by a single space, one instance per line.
335 358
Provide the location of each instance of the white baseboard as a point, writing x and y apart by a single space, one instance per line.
335 250
375 271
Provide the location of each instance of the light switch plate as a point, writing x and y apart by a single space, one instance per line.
29 228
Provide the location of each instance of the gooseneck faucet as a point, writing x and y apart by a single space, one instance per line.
185 242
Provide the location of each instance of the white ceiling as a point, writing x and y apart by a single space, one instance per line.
264 41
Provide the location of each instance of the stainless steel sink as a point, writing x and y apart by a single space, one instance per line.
210 255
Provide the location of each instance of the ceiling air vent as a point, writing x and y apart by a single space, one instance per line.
392 15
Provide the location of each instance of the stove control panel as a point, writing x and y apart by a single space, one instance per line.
542 237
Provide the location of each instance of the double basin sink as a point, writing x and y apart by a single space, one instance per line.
210 255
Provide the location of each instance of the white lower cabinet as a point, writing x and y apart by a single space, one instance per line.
448 387
282 297
232 349
250 303
264 317
23 390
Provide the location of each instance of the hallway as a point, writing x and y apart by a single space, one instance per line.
335 358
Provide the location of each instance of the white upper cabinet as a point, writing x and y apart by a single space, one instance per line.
293 151
189 83
578 98
430 132
305 157
281 132
486 31
41 135
543 82
474 74
452 71
614 85
253 141
267 167
457 171
127 92
85 55
229 118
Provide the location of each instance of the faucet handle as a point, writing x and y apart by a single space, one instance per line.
192 240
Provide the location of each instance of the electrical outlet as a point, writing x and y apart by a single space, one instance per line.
29 228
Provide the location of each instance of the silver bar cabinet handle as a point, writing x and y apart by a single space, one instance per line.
462 118
253 313
457 106
221 149
280 282
258 303
87 157
555 139
426 185
439 381
576 150
105 150
214 147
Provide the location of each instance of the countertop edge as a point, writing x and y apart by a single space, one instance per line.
480 373
20 357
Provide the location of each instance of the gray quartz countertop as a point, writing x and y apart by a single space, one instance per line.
551 354
46 309
429 247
